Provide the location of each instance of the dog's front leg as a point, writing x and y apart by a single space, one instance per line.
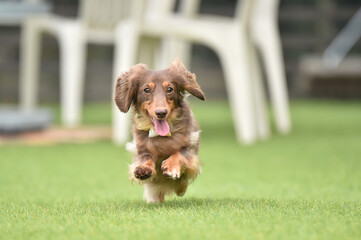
172 166
143 167
182 162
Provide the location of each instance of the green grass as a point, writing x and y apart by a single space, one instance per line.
306 185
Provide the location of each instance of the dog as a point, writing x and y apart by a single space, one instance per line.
166 134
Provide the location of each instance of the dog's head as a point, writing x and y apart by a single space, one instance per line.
156 94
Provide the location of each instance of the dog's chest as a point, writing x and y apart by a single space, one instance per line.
165 146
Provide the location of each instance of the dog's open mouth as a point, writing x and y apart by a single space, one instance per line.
161 126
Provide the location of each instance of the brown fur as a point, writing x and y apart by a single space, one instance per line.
164 164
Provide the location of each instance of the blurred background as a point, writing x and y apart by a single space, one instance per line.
302 180
307 27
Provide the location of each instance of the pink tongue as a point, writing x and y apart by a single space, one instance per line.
161 127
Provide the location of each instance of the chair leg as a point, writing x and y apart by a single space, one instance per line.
29 63
272 54
125 56
236 67
72 64
260 105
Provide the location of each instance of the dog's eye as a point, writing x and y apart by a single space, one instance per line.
169 90
146 90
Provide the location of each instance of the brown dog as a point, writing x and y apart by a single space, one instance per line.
166 135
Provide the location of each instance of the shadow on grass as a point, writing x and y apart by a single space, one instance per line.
196 205
240 203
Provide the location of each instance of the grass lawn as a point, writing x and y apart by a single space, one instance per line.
306 185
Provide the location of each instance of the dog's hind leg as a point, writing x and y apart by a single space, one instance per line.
182 187
152 195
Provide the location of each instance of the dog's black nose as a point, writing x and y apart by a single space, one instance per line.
161 113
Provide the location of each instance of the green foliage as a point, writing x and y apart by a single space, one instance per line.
305 185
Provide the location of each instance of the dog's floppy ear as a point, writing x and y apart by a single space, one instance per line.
126 87
186 79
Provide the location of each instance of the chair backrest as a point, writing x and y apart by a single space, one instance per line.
189 8
159 8
245 9
103 14
268 8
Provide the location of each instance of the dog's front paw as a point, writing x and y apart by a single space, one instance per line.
171 170
142 172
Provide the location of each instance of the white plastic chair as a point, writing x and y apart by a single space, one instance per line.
96 24
231 40
227 37
265 37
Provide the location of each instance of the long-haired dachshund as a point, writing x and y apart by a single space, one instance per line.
166 135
